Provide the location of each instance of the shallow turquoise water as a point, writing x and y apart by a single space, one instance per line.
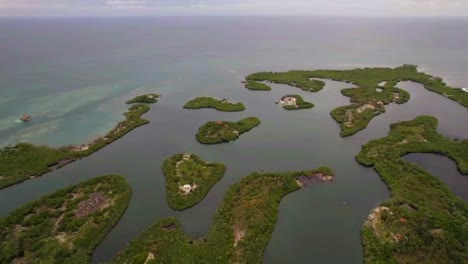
73 75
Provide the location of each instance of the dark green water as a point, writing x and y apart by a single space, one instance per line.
72 76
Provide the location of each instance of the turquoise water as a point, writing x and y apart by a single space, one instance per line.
73 75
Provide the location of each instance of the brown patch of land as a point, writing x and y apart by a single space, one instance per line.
79 148
374 219
305 180
437 232
410 207
416 257
61 237
365 107
56 224
17 230
150 257
238 235
289 100
96 201
60 164
170 227
351 113
21 260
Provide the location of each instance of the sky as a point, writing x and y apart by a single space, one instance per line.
36 8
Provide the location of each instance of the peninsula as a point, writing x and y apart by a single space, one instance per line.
25 161
376 87
65 226
189 179
209 102
423 221
215 132
241 228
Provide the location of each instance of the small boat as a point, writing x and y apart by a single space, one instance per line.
25 118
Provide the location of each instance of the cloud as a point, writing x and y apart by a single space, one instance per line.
30 4
429 7
127 3
239 7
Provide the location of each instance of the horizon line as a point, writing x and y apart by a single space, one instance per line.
228 15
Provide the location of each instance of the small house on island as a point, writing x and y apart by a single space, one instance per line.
288 100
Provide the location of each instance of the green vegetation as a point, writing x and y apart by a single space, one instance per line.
295 102
188 169
65 226
299 79
423 221
24 161
371 96
256 86
215 132
150 98
209 102
240 230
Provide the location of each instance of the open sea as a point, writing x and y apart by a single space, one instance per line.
73 75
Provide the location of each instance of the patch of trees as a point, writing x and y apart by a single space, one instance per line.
209 102
48 230
150 98
426 222
256 86
185 169
215 132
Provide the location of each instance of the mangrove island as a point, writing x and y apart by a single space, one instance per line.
209 102
189 179
150 98
256 86
215 132
294 102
